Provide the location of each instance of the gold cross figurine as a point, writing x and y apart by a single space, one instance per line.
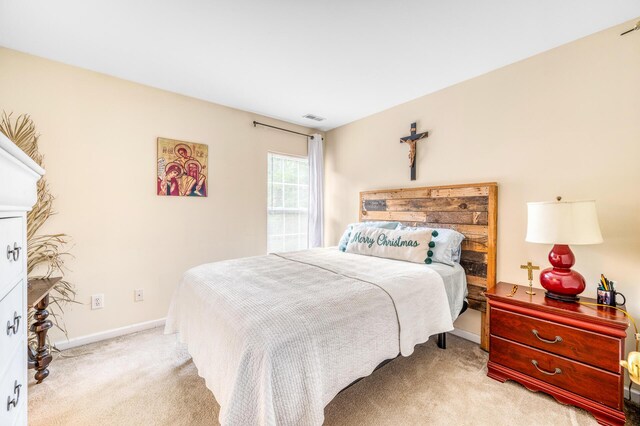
530 267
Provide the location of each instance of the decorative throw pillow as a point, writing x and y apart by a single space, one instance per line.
412 246
448 241
344 240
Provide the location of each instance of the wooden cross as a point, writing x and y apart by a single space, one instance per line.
411 141
530 268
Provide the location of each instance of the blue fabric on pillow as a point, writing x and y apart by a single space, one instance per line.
447 247
344 240
456 253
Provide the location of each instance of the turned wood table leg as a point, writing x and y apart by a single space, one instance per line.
42 356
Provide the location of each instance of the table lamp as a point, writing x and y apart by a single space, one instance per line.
562 223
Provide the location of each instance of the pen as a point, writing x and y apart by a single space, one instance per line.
603 281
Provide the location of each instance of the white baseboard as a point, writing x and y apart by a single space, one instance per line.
133 328
635 394
108 334
472 337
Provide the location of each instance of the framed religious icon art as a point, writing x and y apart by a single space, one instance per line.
182 168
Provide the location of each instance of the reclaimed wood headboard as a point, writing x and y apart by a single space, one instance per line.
469 209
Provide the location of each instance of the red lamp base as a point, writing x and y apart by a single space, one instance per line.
561 282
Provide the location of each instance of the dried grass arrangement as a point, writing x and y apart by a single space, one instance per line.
45 252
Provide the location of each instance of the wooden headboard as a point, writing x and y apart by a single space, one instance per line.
469 209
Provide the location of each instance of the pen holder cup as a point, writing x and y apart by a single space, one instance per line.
608 297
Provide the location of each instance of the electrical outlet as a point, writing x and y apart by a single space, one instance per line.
97 301
138 295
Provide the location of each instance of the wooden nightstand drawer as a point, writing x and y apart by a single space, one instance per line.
584 343
593 383
581 345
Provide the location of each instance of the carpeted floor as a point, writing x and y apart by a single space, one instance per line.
147 378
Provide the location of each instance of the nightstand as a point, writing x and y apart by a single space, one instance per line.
567 350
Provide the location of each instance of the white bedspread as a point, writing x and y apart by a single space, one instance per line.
277 337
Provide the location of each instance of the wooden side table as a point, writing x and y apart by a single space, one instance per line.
38 299
568 350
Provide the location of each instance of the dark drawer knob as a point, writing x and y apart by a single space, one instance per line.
13 402
558 339
548 373
13 254
13 329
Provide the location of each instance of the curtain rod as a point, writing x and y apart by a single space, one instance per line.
257 123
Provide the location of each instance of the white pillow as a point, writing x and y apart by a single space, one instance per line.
447 249
412 246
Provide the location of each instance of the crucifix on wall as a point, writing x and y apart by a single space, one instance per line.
412 140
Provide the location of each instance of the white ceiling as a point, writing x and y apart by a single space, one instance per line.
339 59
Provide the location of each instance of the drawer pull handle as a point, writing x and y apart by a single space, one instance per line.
13 253
16 324
558 339
556 371
12 403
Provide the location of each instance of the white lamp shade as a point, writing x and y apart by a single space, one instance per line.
563 222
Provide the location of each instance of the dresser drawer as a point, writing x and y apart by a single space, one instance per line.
12 263
12 324
593 383
13 388
585 346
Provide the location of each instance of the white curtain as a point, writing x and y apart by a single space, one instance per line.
316 177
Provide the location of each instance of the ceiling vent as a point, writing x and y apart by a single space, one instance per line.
313 117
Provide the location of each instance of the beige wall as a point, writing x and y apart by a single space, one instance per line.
99 138
565 122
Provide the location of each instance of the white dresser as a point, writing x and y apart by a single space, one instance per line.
18 177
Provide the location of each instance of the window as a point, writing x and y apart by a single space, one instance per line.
288 203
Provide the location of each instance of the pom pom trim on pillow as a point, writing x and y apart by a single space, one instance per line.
447 250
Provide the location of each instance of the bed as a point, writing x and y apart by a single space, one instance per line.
276 337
